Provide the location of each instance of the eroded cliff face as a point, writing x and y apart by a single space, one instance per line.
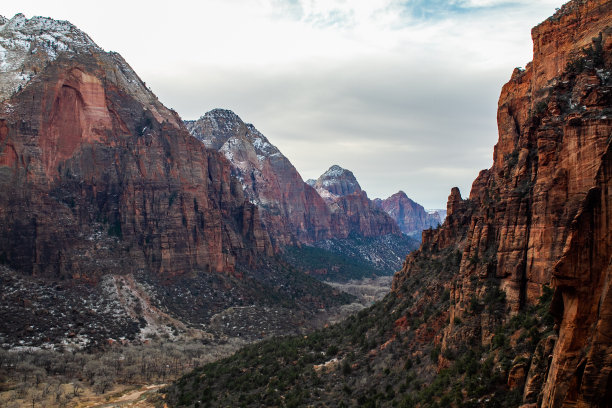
97 176
540 216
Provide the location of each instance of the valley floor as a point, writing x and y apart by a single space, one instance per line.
127 375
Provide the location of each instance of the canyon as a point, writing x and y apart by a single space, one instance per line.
122 223
507 303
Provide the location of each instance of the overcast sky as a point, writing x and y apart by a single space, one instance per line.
403 93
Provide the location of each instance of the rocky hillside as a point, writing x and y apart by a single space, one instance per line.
507 304
410 216
99 179
355 257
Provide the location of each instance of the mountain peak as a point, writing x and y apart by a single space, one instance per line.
400 194
28 45
336 171
220 113
409 215
222 127
337 181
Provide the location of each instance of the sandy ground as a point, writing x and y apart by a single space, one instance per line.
135 398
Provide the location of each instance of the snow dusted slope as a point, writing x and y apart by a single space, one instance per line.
291 209
336 182
26 46
245 147
242 144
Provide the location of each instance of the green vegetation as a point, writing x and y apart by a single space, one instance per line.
341 260
592 57
324 264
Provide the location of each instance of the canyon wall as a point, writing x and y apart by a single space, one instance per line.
541 215
97 176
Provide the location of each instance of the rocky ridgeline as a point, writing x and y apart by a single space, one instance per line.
291 209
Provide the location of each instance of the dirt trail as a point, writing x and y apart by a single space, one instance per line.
131 399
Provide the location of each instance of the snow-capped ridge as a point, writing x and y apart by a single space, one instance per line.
28 45
338 181
216 127
336 171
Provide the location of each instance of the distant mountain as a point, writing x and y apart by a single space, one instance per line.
336 182
292 211
409 215
441 213
350 205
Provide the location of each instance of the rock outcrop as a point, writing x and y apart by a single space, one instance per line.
292 210
409 215
336 182
540 215
97 176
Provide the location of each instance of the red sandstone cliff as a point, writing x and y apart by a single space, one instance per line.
97 176
541 215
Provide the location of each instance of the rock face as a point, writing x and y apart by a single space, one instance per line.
540 215
292 210
98 176
410 216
